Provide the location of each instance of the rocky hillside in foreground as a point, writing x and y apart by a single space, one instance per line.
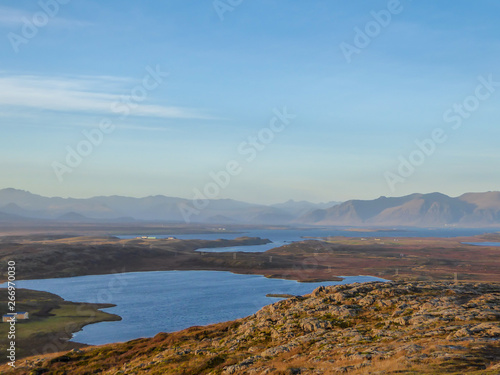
373 328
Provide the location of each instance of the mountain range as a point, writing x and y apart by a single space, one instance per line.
416 210
20 205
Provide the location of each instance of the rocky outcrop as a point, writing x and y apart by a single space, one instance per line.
372 328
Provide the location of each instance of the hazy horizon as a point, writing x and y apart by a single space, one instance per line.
245 201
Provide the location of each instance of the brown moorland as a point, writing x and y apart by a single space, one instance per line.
40 256
416 259
373 328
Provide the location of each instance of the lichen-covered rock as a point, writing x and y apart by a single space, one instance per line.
372 328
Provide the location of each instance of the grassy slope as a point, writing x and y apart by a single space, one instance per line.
52 321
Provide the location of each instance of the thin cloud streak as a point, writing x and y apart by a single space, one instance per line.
81 94
12 17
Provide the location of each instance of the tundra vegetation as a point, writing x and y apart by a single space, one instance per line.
374 328
414 260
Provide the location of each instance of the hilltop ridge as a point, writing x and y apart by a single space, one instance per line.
371 328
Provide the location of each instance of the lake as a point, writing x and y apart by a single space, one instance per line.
166 301
280 237
153 302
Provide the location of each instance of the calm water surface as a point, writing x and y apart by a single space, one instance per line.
153 302
280 237
166 301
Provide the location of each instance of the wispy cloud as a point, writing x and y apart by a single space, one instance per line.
88 94
12 17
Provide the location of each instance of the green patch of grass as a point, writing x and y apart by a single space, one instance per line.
51 324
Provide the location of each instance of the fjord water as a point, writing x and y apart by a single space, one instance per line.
166 301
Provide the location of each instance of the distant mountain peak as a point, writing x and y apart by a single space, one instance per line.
432 209
13 190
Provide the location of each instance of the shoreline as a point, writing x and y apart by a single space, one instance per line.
67 341
370 320
321 259
52 322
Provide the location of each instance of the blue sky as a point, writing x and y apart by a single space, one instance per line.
226 76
